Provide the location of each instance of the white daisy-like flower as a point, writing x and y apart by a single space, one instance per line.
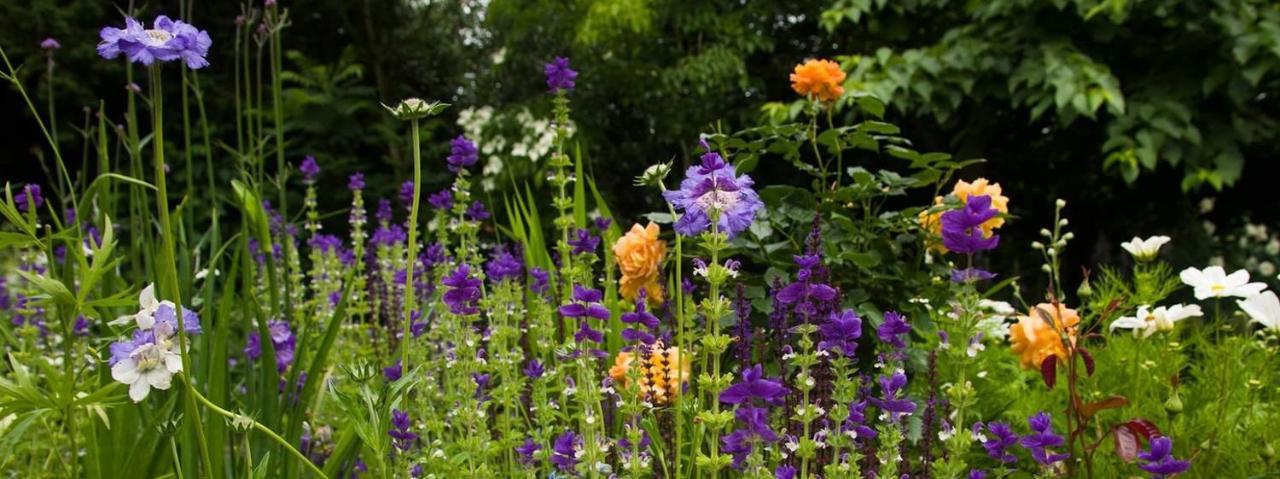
1144 249
1264 309
1149 321
1214 282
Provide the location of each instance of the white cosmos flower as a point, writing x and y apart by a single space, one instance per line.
1263 308
148 366
1144 249
1149 321
1214 282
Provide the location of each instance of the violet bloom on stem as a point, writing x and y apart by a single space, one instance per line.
998 445
401 436
534 369
527 450
462 154
29 198
564 452
1159 460
310 169
711 190
755 386
584 242
891 401
894 330
393 372
441 200
50 44
383 213
559 76
804 294
476 212
541 280
641 317
1041 439
841 332
962 231
586 305
504 266
167 40
406 194
753 428
356 181
282 340
463 292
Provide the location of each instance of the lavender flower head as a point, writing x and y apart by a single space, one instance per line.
383 213
50 44
476 212
393 372
754 386
541 280
998 446
401 436
534 369
711 189
961 229
891 401
642 317
1159 460
462 154
356 181
894 330
29 198
441 200
564 451
504 266
559 76
841 332
1041 439
584 242
463 292
406 194
310 169
167 40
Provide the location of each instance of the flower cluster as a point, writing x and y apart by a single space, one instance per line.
152 356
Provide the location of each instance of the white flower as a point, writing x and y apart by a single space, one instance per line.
1149 321
148 366
1144 249
1263 308
147 306
1214 282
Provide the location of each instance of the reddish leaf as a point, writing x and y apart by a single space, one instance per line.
1049 371
1126 443
1088 360
1143 427
1112 402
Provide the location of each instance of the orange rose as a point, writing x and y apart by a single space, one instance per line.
659 379
821 78
1035 339
963 190
640 254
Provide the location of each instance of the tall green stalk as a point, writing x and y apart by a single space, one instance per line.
413 246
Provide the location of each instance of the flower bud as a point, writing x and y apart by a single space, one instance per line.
1063 222
1174 404
1061 203
415 108
1045 233
1084 291
653 175
1069 236
1036 245
1046 268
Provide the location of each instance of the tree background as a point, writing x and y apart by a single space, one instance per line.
1136 112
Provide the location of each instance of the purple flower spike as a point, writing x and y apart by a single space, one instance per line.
564 451
464 291
441 200
1041 439
1159 459
356 181
534 369
559 76
406 194
29 198
894 330
998 445
841 332
462 154
476 212
527 450
403 438
754 386
310 169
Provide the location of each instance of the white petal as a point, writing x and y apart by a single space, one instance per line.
144 319
1237 278
1128 322
159 378
147 298
139 390
125 371
1192 277
173 362
1263 308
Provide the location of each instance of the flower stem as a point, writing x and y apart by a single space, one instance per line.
261 428
412 248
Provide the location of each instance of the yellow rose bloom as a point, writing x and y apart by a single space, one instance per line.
1034 339
821 78
639 254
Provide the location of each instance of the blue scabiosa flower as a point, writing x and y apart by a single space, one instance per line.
462 154
1041 439
711 190
564 452
50 44
464 291
559 76
962 229
167 40
841 332
1159 460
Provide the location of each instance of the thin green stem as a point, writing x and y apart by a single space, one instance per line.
413 246
261 428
